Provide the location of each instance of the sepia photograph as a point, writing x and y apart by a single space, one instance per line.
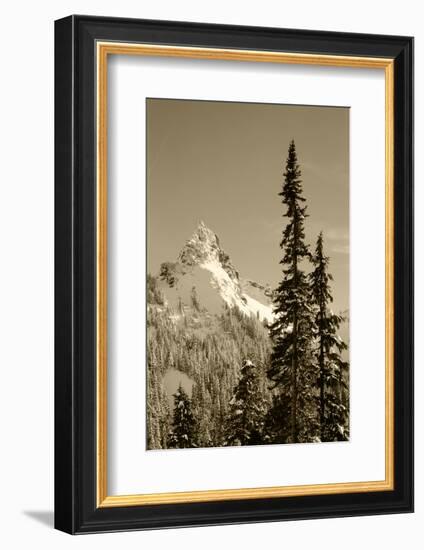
247 279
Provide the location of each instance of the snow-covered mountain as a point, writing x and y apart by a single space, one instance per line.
203 269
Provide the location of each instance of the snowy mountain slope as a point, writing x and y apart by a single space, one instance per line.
203 269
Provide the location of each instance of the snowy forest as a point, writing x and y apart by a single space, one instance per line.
253 380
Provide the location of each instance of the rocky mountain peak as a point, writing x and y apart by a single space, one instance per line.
203 265
205 235
204 248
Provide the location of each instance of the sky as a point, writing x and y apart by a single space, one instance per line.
223 163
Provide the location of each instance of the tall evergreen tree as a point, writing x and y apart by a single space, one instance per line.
333 412
276 428
158 413
292 369
247 409
201 405
182 435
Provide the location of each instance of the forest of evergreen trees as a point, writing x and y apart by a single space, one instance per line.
254 384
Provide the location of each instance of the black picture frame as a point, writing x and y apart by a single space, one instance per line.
76 510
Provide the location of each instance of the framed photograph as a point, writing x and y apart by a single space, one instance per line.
234 274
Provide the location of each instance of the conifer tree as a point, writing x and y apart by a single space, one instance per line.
195 304
276 429
247 409
201 406
333 412
157 405
292 369
182 435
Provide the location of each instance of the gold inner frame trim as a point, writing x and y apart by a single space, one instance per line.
103 50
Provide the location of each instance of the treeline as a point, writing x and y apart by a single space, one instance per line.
209 349
253 384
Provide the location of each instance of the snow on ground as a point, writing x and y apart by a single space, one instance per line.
230 292
265 312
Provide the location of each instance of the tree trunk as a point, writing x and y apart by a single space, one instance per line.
294 383
321 382
295 357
